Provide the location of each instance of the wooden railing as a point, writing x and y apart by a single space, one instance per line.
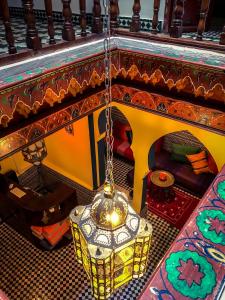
33 40
176 28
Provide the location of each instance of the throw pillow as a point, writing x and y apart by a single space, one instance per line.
199 163
180 151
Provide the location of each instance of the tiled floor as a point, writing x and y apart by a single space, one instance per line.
213 36
28 273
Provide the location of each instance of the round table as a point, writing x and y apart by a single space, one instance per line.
162 185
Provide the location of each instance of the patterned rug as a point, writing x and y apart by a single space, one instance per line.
175 211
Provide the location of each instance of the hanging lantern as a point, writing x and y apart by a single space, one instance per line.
110 240
35 153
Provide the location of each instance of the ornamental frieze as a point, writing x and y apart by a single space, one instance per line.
168 106
150 102
37 130
178 77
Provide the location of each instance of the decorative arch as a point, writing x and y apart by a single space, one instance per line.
123 137
188 187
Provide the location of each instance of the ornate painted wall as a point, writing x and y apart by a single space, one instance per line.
27 93
194 266
129 96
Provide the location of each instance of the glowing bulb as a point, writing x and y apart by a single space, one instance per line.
115 218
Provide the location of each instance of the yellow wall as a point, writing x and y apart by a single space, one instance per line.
147 128
70 155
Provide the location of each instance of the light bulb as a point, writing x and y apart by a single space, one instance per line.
115 218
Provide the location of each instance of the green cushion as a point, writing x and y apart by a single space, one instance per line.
180 151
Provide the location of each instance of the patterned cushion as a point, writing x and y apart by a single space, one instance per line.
54 233
179 151
199 162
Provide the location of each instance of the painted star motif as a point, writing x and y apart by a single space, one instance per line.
217 225
190 272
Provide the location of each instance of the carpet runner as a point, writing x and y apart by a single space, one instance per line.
175 211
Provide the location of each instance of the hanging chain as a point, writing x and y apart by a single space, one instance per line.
108 94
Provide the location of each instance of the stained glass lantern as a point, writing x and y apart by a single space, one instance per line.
35 153
111 241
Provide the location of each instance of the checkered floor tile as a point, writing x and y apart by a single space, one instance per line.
121 168
212 36
28 273
19 32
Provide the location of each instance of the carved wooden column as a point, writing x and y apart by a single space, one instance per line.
83 17
114 13
155 19
135 25
32 39
8 30
222 36
202 20
177 22
97 21
51 31
68 33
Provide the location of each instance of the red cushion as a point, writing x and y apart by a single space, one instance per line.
129 154
54 233
119 130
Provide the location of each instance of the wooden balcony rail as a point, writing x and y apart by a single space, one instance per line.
51 31
8 30
83 17
135 25
176 29
202 20
155 19
97 21
114 14
32 39
68 33
174 12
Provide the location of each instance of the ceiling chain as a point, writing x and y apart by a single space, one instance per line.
108 94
